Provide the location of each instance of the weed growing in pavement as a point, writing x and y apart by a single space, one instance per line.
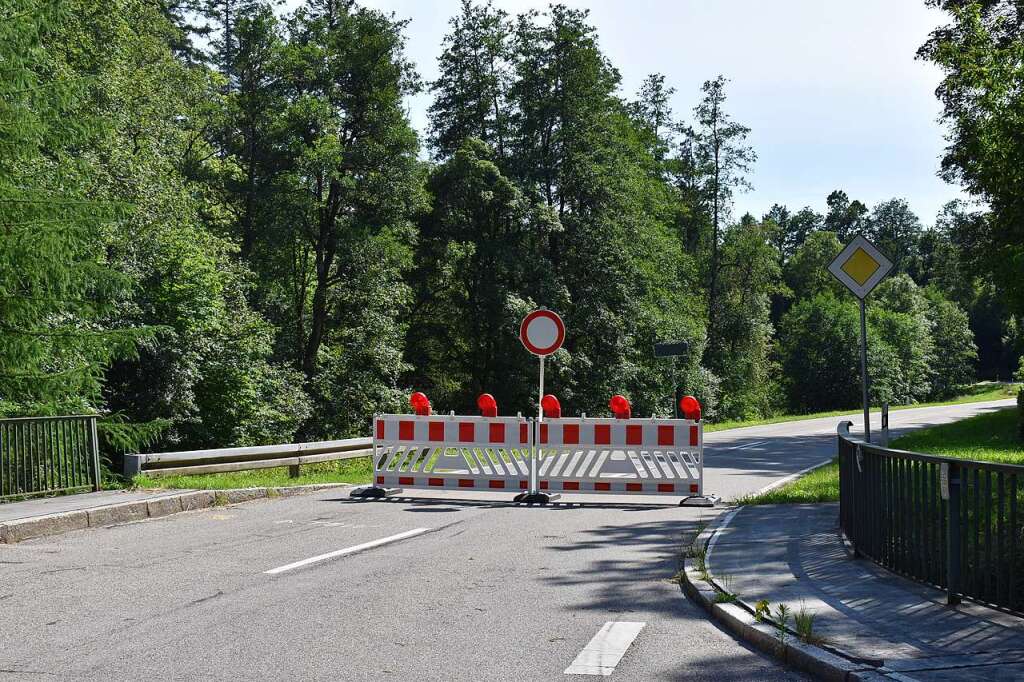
220 500
804 622
724 597
762 610
782 613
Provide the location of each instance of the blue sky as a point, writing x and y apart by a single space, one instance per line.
830 88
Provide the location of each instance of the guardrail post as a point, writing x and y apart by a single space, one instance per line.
954 489
293 471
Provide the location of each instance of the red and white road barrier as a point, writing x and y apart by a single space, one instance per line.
622 456
439 452
539 459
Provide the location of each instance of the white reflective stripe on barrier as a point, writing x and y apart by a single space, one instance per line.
460 452
622 456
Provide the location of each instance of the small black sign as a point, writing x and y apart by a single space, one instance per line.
669 349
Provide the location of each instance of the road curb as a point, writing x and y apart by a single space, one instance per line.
126 512
737 617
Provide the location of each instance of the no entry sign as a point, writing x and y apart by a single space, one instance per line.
542 332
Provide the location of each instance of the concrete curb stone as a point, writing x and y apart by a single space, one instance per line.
737 617
128 512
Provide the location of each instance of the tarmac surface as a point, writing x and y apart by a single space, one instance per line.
423 587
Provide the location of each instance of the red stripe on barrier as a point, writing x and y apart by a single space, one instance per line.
602 434
571 434
666 435
436 431
523 485
570 485
467 434
694 488
666 488
634 487
406 430
436 482
380 480
634 434
543 485
693 435
523 433
380 429
406 480
543 433
496 484
602 486
496 432
466 483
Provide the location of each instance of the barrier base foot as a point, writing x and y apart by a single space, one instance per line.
700 501
536 498
373 492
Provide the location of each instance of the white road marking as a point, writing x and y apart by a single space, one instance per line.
787 479
605 650
746 445
349 550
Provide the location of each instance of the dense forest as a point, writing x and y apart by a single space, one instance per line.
219 227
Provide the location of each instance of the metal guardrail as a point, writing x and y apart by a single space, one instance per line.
41 455
952 523
291 455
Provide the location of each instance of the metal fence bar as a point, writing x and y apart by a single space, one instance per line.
947 522
40 455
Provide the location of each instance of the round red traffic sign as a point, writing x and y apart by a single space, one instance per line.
542 332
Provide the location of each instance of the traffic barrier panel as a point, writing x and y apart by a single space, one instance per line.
452 452
622 456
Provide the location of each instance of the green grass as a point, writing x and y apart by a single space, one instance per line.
818 485
980 392
990 437
344 471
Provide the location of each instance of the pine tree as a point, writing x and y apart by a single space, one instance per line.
56 290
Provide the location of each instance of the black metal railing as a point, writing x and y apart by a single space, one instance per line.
952 523
41 455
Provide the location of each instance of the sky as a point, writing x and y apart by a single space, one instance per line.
831 89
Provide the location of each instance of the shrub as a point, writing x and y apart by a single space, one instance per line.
1020 413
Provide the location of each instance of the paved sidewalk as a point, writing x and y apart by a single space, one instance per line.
44 506
793 554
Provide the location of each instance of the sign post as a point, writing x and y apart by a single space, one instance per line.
672 349
542 333
860 267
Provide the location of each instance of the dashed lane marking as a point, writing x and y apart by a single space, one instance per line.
606 649
349 550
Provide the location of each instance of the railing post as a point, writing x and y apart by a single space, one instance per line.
953 533
94 445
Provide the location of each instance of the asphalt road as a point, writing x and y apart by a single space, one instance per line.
479 590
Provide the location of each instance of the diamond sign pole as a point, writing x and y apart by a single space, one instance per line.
860 267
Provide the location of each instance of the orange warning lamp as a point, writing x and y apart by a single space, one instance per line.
420 404
552 408
690 408
620 407
488 405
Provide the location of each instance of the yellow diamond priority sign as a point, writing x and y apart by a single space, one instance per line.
860 266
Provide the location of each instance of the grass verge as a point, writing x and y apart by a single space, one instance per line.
343 471
978 393
990 437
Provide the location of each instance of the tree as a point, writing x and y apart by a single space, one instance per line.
723 159
355 175
845 218
980 54
953 365
806 273
896 231
480 259
470 94
57 289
